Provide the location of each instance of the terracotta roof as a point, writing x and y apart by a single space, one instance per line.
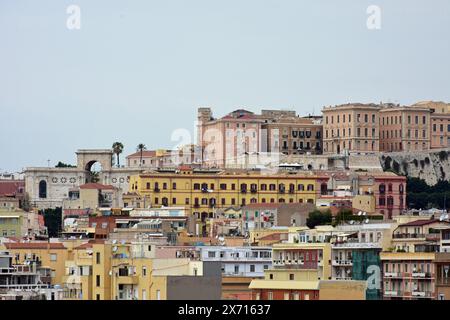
97 186
418 223
84 246
89 244
145 153
11 188
273 236
34 245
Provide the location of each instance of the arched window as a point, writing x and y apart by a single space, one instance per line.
310 187
382 188
390 187
400 188
263 187
301 187
253 200
42 189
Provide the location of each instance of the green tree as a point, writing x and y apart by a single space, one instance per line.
117 149
64 165
141 147
317 217
343 215
53 221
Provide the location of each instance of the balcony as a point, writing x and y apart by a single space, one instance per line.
426 275
408 236
422 294
342 263
156 190
391 275
342 278
131 279
392 293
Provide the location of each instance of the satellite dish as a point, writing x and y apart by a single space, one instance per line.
366 221
114 241
351 222
359 213
114 249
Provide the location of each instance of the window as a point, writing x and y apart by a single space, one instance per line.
211 254
97 280
144 271
271 276
53 257
97 296
97 258
158 294
252 268
270 295
42 189
291 276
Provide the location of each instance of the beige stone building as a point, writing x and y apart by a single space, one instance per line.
368 128
439 123
404 128
222 140
351 127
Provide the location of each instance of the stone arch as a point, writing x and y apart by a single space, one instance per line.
87 158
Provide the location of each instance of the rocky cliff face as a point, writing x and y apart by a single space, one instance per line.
429 166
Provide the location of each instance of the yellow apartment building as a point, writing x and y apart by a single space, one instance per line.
50 255
203 191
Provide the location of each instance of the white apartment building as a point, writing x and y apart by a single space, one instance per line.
239 261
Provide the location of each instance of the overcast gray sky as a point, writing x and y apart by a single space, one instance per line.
137 70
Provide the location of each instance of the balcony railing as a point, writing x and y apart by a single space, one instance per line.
408 235
342 262
422 294
392 293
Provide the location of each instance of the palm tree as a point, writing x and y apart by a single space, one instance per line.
117 149
141 147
